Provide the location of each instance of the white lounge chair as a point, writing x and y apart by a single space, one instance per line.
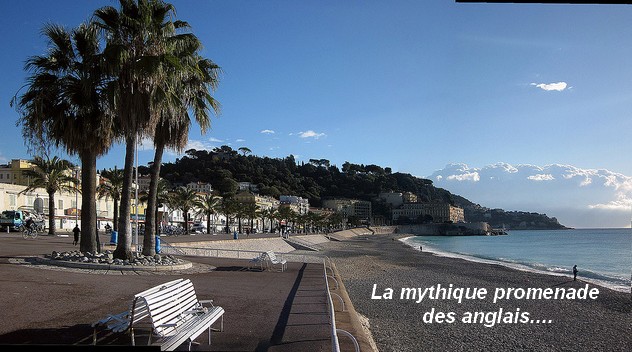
273 260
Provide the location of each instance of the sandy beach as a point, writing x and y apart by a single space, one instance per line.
601 324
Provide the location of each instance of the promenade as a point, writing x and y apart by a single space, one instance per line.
264 310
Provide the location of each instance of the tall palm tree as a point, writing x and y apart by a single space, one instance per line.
65 104
184 199
229 207
54 175
208 206
189 88
250 211
112 188
137 50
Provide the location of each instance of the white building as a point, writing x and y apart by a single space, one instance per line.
200 187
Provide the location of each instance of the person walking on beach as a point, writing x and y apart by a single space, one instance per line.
575 273
76 232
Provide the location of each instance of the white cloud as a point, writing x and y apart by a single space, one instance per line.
199 145
215 140
240 140
559 86
267 132
310 134
470 176
622 203
578 197
146 143
541 177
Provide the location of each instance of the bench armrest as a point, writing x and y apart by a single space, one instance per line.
121 317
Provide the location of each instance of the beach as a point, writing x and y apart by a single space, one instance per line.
285 311
601 324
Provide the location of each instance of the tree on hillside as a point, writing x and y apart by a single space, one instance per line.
54 175
245 150
66 104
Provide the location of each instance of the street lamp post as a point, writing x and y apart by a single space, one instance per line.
77 198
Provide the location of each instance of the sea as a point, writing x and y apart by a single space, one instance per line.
603 256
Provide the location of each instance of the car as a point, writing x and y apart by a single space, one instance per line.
197 227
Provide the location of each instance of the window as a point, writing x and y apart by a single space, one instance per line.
60 204
12 200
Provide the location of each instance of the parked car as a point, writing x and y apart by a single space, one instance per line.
198 228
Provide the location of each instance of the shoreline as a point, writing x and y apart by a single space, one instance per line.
515 266
397 325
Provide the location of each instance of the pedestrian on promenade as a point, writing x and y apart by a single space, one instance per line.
575 273
76 231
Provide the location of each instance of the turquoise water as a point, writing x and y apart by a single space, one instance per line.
602 256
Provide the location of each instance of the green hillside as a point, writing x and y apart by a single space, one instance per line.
316 180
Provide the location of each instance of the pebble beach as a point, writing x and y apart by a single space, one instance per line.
369 265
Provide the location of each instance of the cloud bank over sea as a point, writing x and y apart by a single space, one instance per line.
576 197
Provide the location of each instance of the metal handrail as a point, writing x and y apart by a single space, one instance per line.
335 345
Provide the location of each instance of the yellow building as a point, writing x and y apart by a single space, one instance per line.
13 172
440 212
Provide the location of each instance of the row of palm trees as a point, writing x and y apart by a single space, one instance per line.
127 73
210 206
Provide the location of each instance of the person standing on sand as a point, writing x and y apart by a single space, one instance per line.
76 232
575 273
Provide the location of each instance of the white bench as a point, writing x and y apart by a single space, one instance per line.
173 312
273 260
259 260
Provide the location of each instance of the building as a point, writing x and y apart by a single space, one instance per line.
410 197
298 204
440 212
247 187
143 183
360 209
13 172
200 187
67 205
262 203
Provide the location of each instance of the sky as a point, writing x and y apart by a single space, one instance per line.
431 88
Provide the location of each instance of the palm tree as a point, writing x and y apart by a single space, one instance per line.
54 175
229 207
184 199
137 50
250 211
112 188
190 85
65 105
208 206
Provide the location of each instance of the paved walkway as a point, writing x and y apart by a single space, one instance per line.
265 310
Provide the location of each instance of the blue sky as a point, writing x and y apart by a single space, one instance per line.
412 85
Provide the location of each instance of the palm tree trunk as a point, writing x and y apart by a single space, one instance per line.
116 215
51 213
124 246
186 221
88 241
208 224
149 240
